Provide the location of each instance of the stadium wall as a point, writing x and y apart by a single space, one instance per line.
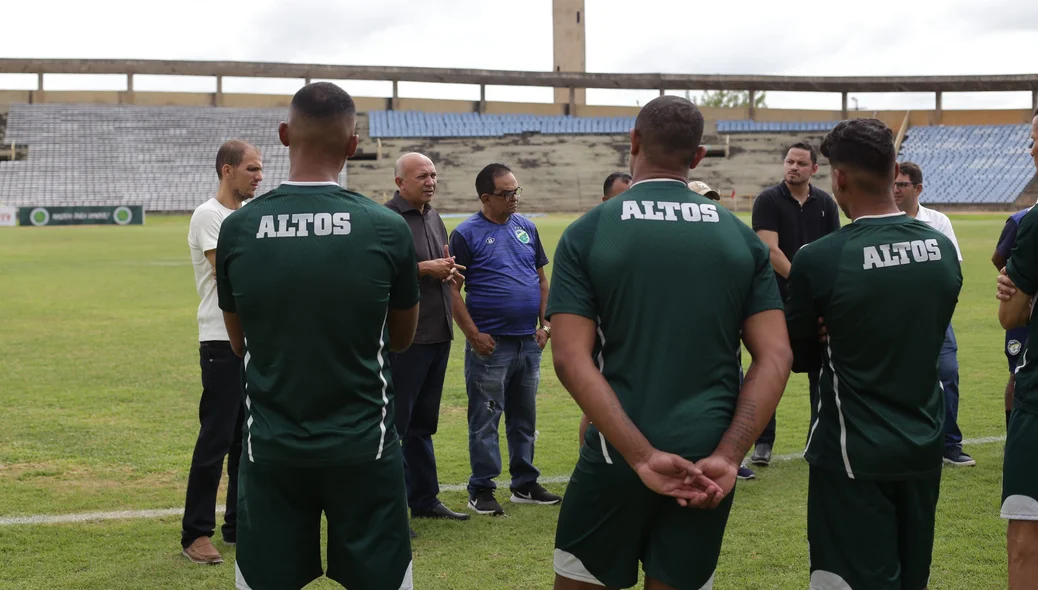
565 172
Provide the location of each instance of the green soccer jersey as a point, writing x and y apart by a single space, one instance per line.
1022 268
312 271
669 277
887 287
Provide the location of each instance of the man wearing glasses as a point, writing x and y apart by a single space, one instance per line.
502 318
907 188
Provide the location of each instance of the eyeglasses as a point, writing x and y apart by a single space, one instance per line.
903 185
509 194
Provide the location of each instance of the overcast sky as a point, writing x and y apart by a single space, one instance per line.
878 37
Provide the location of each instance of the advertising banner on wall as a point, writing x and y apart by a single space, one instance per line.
8 217
111 215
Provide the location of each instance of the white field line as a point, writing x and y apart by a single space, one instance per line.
164 512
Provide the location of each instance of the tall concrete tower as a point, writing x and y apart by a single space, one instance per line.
568 25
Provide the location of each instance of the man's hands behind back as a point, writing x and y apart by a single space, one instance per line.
670 475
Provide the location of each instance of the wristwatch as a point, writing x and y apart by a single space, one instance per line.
547 330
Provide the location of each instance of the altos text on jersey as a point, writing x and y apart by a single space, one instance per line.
669 277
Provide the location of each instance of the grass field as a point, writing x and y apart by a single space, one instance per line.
99 385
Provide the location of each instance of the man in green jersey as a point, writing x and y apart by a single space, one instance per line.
876 443
648 296
318 284
1018 284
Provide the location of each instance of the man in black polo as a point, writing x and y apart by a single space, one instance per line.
418 372
786 217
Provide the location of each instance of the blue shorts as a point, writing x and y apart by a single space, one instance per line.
1016 339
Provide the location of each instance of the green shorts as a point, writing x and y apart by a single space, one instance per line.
609 522
1019 478
279 525
868 533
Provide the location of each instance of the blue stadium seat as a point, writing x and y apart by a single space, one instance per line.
420 124
736 126
970 163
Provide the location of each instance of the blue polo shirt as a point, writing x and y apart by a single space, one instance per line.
502 289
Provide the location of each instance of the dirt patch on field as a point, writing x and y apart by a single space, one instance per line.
446 410
84 477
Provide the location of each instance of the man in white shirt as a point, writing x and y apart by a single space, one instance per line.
239 169
907 188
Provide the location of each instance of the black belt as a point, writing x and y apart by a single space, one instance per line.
221 344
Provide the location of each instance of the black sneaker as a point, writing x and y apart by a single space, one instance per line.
483 502
745 473
534 493
957 458
761 455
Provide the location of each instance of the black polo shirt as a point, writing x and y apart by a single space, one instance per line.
777 210
435 322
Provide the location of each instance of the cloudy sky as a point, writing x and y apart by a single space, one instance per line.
878 37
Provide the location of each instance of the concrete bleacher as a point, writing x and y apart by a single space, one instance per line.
557 172
755 163
561 160
976 164
386 124
160 157
565 172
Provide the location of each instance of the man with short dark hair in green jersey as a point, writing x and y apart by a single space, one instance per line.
649 293
1018 284
318 284
876 444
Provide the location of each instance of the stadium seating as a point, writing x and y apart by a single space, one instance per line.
421 124
163 158
984 164
774 126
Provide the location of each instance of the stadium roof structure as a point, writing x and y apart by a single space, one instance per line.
571 80
642 81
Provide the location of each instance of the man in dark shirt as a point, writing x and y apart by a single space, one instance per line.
877 436
1016 338
506 293
1017 287
418 372
788 216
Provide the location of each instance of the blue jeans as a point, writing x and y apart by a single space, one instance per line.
506 381
949 376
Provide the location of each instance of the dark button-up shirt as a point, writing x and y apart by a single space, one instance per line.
777 210
435 322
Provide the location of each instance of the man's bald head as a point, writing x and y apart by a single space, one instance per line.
407 160
321 120
416 179
669 130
